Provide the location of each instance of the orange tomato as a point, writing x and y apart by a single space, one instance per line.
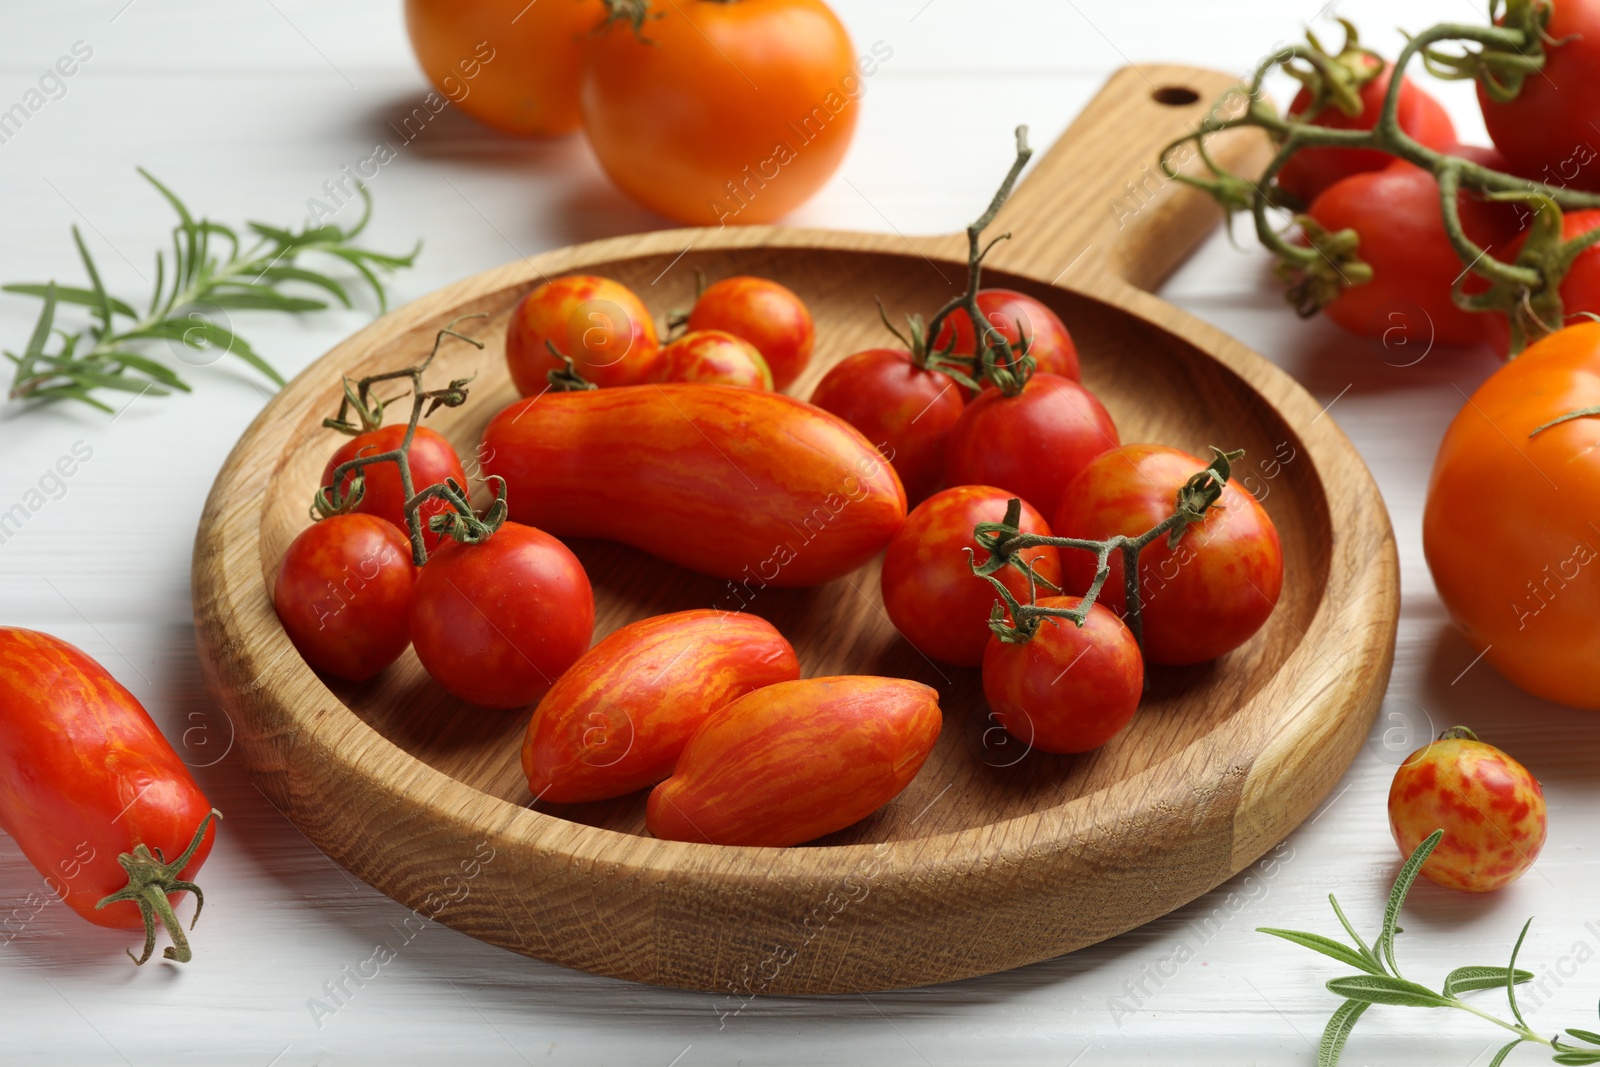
600 323
1511 528
715 357
509 64
766 314
726 112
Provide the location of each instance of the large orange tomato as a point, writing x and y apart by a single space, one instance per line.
509 64
1512 524
723 112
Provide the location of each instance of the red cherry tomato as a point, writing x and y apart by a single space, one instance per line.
713 356
1490 808
343 593
1031 444
900 407
1199 600
497 623
433 461
1067 688
88 777
1311 170
1580 289
1545 130
929 590
1017 316
764 313
600 323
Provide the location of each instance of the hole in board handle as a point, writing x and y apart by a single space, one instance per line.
1175 95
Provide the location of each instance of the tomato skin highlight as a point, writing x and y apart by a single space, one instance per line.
433 461
1491 809
1067 689
1198 601
713 357
794 761
1031 444
343 594
906 411
756 487
1545 130
87 775
1016 315
618 719
768 315
1519 577
601 324
929 590
497 623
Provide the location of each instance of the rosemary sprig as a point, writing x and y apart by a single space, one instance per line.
210 268
1380 981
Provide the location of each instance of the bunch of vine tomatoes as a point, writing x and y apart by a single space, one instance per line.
704 111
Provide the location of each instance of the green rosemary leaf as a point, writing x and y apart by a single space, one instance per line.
1467 979
1576 1058
1386 989
101 380
263 299
157 371
184 264
1337 1032
310 277
70 392
366 272
41 329
1327 946
1500 1057
1351 930
69 295
161 282
1585 1035
1397 895
232 344
273 233
1511 987
102 302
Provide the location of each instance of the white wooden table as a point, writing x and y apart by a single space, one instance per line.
246 109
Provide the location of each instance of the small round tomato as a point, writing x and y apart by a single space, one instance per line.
1067 688
905 410
1199 600
766 314
1545 129
1311 170
1580 288
496 623
715 357
600 323
1017 316
509 64
1031 444
433 461
1490 809
343 593
929 590
718 113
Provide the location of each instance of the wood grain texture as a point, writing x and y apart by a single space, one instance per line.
988 860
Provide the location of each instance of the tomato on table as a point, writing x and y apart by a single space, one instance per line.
601 324
433 461
768 315
1545 129
714 357
1016 317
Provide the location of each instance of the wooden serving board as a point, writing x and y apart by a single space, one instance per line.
995 856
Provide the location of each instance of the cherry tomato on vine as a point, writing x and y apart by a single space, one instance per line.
1580 289
712 356
507 63
1016 316
1490 808
433 461
904 409
1199 600
1031 444
766 314
343 593
1311 170
496 623
718 113
1545 129
1067 688
929 590
600 323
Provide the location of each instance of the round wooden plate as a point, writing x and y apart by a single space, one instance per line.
995 856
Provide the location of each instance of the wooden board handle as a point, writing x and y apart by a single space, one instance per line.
1098 203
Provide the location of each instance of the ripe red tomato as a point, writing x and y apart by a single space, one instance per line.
1490 809
1545 130
900 407
433 461
600 323
343 593
509 64
724 113
764 313
714 357
1017 316
497 623
1199 600
929 590
88 779
1067 688
1311 170
1031 444
1580 289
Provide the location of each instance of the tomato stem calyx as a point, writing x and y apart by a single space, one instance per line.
150 879
565 378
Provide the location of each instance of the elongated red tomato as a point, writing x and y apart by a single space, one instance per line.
433 461
758 488
794 761
618 719
1017 317
85 778
600 323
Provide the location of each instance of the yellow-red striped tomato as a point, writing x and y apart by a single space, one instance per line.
713 357
598 322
